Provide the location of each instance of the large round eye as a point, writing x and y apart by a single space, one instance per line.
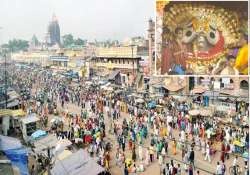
213 37
189 35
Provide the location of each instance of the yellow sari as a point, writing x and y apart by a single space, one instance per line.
241 62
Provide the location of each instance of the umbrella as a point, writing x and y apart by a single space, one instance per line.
140 100
245 155
56 120
194 112
38 134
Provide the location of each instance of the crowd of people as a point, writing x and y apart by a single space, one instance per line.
140 135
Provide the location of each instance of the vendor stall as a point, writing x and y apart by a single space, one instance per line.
29 125
77 163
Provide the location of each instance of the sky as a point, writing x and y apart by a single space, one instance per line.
88 19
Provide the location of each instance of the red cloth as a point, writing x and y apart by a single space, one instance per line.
218 48
88 138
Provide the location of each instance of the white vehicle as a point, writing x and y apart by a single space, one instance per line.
29 125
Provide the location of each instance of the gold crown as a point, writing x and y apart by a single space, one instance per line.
202 16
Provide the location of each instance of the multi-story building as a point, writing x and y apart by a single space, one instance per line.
36 57
124 59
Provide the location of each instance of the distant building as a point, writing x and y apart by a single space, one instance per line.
53 36
35 57
124 60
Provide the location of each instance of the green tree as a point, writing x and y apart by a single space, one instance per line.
68 40
16 45
80 42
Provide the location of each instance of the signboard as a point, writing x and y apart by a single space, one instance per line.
59 58
226 107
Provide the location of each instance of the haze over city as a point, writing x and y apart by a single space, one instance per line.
101 20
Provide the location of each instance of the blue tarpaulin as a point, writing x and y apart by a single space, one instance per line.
19 158
38 134
17 154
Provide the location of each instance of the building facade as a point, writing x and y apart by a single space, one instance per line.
124 59
35 57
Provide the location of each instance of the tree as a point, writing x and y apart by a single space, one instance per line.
68 40
80 42
16 45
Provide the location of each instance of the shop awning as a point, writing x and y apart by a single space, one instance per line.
7 143
42 144
199 90
225 98
64 155
78 163
29 119
113 75
18 112
13 103
240 99
239 93
5 112
14 113
173 85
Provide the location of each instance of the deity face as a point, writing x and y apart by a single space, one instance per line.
202 43
204 37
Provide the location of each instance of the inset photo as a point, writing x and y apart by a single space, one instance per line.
202 37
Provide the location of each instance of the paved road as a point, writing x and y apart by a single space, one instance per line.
154 168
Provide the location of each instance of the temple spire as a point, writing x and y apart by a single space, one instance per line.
54 18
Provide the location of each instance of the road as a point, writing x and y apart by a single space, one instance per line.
154 168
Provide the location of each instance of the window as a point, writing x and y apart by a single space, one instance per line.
244 84
31 128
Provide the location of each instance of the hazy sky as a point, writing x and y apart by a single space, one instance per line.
89 19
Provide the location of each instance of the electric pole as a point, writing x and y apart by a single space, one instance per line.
5 80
